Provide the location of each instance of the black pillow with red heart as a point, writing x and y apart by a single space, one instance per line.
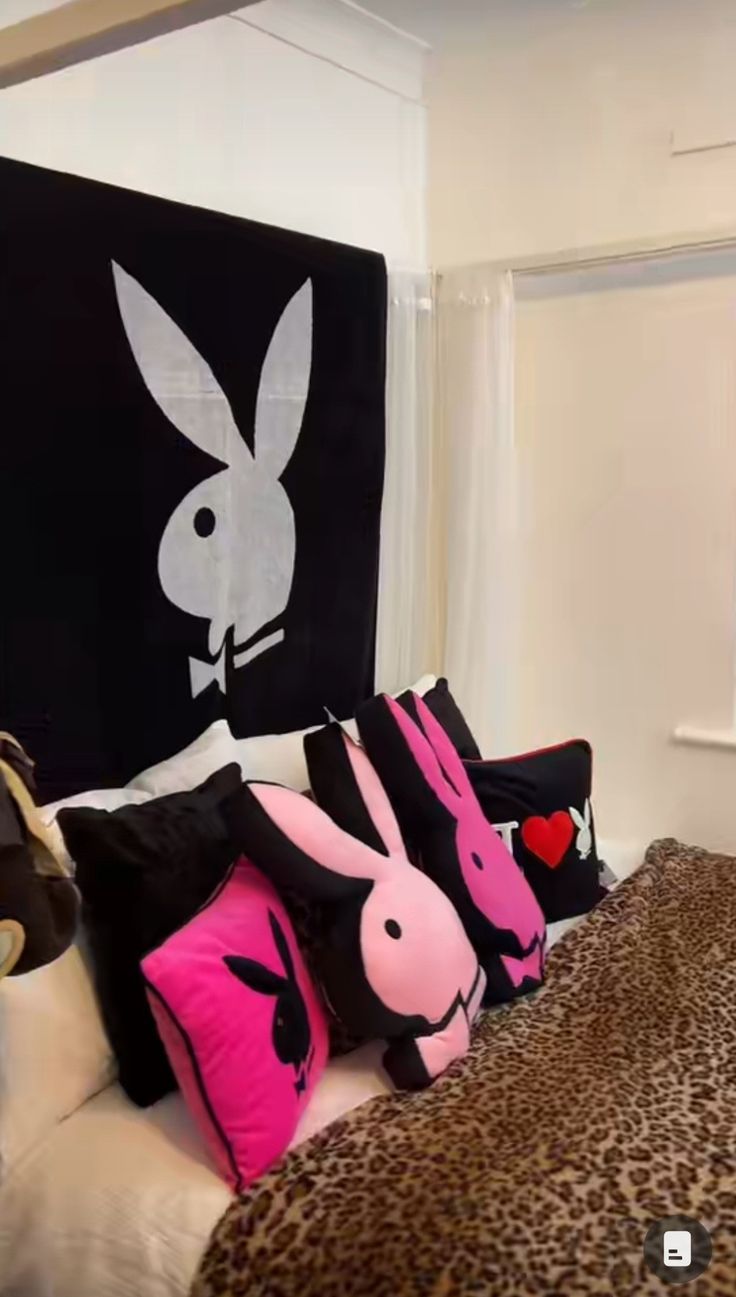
540 804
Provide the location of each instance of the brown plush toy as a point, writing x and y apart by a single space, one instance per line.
39 904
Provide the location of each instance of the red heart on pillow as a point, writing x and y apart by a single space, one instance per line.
548 838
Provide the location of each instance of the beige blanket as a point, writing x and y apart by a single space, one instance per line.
537 1164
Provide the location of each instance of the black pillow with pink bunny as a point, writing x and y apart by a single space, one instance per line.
439 811
345 850
540 802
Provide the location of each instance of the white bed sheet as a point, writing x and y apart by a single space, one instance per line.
120 1202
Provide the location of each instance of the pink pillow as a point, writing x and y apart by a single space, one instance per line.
397 964
241 1021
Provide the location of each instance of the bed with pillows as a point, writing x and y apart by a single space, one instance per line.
278 930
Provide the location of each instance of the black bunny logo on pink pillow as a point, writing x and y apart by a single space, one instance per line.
292 1039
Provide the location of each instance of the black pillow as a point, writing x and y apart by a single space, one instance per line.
143 871
443 707
540 802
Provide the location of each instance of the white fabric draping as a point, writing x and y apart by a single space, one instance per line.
409 633
449 545
475 405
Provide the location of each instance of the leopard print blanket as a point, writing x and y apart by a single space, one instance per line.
536 1165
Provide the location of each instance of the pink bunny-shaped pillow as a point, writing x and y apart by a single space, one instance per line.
440 814
398 964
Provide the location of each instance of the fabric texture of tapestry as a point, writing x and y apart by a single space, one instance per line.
198 413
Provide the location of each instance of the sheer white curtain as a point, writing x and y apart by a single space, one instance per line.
410 604
449 541
475 405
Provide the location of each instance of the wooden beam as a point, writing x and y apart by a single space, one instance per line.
84 29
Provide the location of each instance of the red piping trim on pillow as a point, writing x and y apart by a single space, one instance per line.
200 1086
522 756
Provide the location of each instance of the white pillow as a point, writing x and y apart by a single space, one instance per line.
214 749
54 1052
276 758
279 758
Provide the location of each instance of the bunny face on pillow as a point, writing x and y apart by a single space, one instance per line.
459 849
387 914
220 524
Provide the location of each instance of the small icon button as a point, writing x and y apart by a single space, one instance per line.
678 1249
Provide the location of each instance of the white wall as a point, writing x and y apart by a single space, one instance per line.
230 116
551 125
626 428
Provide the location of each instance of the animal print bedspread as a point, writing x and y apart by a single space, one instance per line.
537 1164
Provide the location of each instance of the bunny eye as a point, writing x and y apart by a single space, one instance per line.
476 860
392 928
204 522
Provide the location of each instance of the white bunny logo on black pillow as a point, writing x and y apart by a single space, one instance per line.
225 520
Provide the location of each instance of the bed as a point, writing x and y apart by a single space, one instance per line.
121 1202
585 1123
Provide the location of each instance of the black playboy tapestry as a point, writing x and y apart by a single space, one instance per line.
192 468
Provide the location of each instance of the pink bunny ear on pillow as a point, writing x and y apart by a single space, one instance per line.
440 815
385 913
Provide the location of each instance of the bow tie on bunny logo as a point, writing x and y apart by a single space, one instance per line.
211 560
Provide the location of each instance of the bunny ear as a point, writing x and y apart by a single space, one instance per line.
297 845
444 749
587 812
346 785
254 975
282 945
434 753
282 392
576 818
179 380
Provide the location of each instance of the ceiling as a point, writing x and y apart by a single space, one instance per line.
42 36
436 21
431 20
410 14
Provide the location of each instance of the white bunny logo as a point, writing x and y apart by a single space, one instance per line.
584 842
227 552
